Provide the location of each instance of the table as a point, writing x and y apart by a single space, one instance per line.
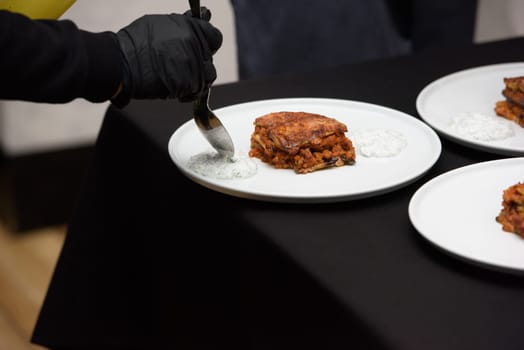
27 182
137 270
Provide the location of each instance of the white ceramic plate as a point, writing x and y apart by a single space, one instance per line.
367 177
456 212
474 90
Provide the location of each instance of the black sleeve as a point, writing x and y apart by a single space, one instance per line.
55 62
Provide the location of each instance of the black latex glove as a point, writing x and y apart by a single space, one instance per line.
168 56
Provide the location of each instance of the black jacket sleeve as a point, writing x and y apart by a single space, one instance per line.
55 62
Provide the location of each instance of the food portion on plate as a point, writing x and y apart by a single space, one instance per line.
467 107
512 107
302 141
383 171
511 216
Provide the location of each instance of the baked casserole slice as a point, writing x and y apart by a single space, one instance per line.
511 216
512 107
304 142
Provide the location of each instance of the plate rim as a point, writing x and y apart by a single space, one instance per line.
483 146
435 142
417 197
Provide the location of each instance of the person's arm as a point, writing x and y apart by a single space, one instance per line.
155 56
55 62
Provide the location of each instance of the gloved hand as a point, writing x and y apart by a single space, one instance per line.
168 56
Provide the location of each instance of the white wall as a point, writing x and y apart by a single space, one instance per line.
27 127
30 127
499 19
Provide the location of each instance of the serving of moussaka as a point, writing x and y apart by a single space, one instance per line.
511 216
512 107
304 142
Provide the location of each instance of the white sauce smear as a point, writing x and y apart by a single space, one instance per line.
222 167
378 143
478 126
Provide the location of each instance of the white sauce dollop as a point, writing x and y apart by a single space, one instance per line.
478 126
378 143
213 164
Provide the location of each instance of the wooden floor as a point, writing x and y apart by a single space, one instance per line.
27 261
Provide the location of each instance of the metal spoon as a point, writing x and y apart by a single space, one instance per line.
208 123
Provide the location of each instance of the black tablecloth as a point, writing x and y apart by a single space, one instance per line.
154 260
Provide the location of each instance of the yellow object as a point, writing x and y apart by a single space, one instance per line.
37 9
